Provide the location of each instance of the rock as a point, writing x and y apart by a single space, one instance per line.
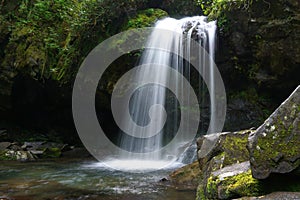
76 153
232 170
45 149
216 151
24 156
258 48
36 152
19 155
189 154
4 145
222 149
51 153
186 177
163 180
32 145
238 40
275 196
232 181
275 146
15 147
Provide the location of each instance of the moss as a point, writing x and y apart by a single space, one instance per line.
242 185
277 140
215 9
235 186
235 148
145 18
52 153
212 187
200 195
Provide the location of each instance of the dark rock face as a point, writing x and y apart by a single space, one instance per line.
275 146
258 48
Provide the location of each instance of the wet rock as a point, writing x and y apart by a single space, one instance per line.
186 177
36 152
189 154
4 145
19 155
51 153
45 149
32 145
24 156
275 146
76 153
163 180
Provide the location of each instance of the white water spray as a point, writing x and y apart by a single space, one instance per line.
147 104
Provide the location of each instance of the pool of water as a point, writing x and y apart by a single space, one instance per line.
84 180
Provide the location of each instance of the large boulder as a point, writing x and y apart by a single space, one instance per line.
275 146
216 152
231 182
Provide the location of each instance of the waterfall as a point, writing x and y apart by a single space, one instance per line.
147 103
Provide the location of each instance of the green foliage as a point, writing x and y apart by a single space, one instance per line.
44 34
145 18
214 8
51 38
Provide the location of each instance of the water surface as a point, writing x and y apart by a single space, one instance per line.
67 179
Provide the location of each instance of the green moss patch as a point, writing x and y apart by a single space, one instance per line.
145 18
233 187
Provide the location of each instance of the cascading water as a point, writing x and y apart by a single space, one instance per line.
147 102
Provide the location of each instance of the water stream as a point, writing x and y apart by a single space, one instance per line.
156 118
67 179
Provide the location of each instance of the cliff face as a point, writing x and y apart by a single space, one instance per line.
258 56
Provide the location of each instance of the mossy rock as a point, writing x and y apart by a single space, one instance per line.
217 151
222 149
230 182
275 146
51 153
235 186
